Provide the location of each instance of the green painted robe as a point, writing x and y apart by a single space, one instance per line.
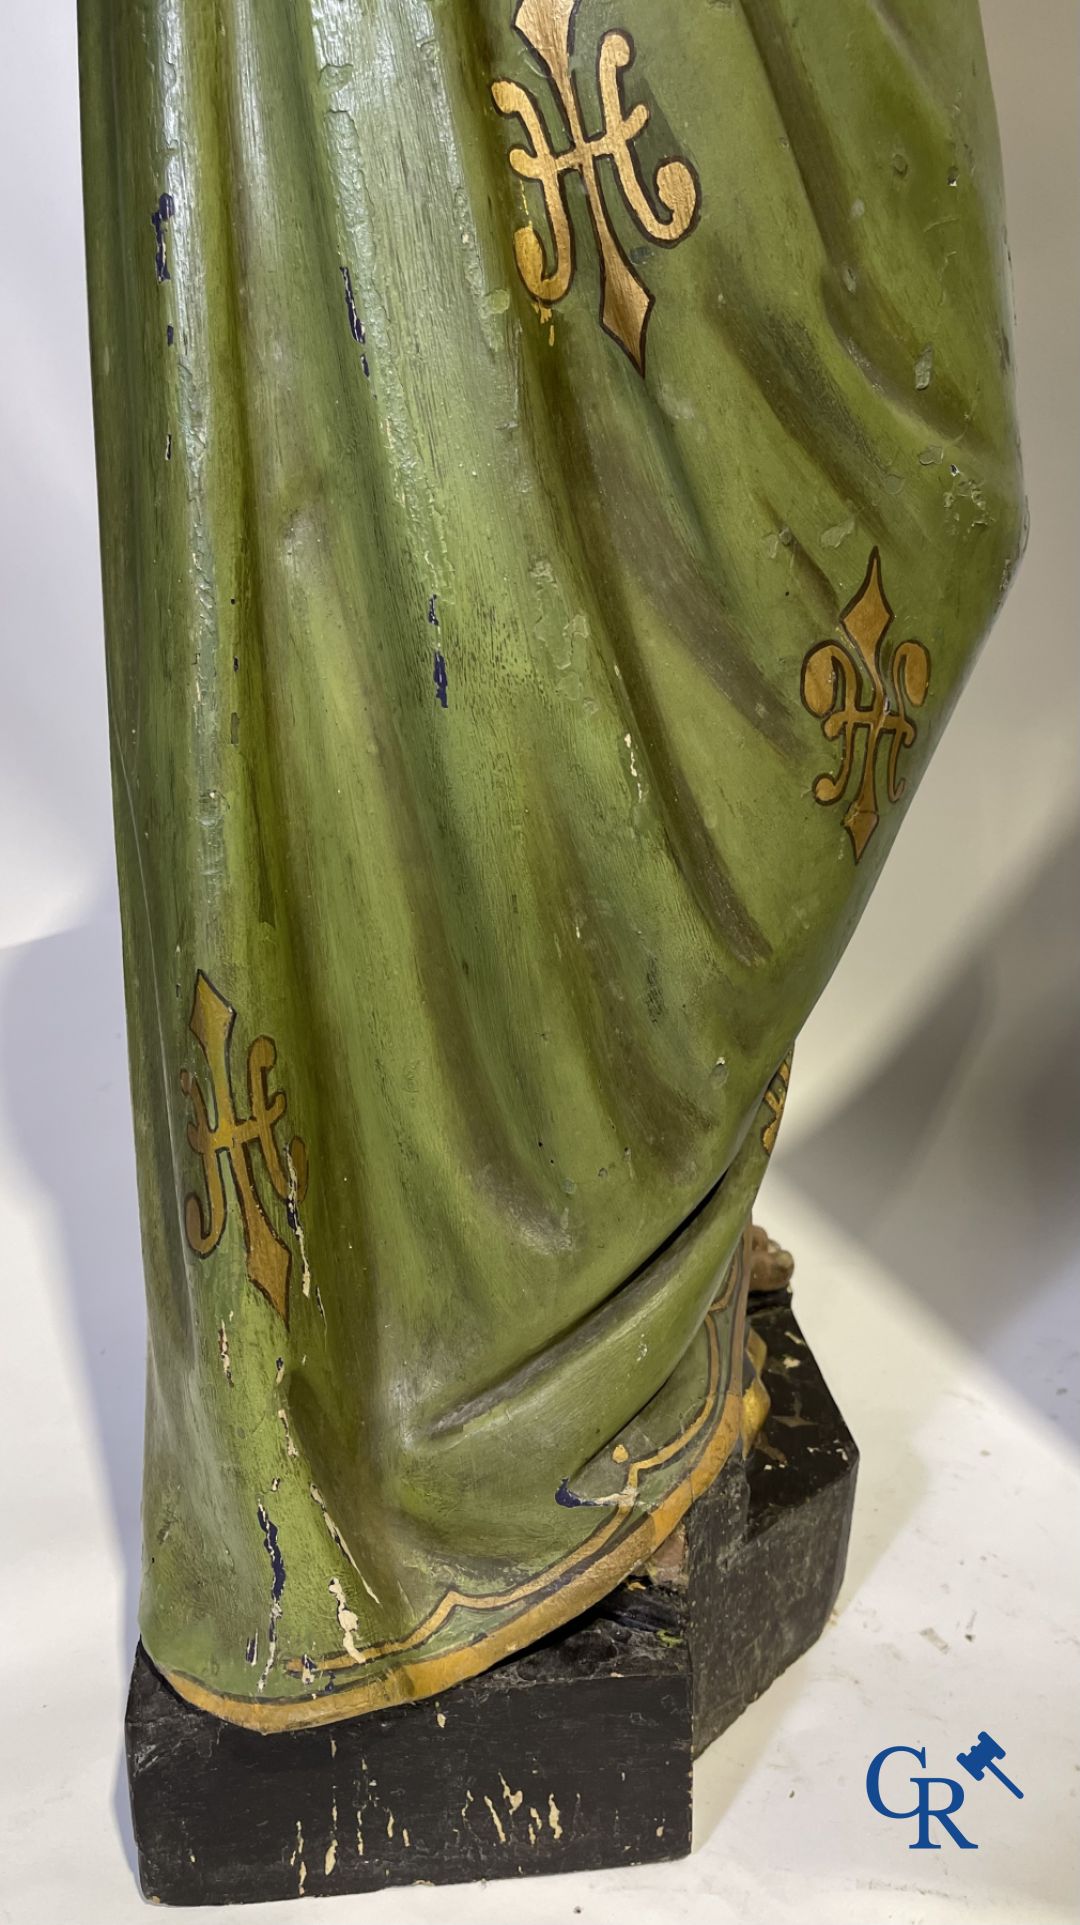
556 464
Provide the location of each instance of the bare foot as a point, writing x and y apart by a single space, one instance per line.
770 1267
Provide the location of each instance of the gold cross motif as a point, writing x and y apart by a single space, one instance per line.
231 1140
834 676
547 27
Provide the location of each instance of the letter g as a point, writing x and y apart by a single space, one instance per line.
873 1780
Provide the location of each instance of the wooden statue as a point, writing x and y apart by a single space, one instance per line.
557 462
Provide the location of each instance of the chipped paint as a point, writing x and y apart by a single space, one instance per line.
554 1816
223 1353
348 1621
283 1420
439 678
292 1211
495 1819
513 1798
569 1499
332 1848
297 1858
162 214
356 326
629 740
340 1541
277 1586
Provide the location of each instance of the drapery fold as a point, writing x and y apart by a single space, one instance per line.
475 862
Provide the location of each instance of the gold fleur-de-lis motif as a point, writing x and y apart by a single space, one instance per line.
834 677
231 1140
547 27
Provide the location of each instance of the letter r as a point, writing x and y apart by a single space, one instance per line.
941 1812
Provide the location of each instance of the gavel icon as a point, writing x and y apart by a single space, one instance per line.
980 1759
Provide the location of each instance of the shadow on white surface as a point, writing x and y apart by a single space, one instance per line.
64 1095
955 1165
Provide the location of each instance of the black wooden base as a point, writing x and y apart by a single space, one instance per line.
575 1754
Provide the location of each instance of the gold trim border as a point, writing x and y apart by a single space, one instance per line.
425 1677
623 1501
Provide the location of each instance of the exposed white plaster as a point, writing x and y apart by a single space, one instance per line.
294 1217
297 1858
495 1819
513 1798
340 1541
347 1620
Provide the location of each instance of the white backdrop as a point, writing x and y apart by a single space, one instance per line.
926 1173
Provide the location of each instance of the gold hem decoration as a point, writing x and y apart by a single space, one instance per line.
756 1402
621 1501
425 1677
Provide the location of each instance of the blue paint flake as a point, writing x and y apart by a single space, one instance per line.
166 208
568 1498
439 678
355 323
356 326
170 335
273 1552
